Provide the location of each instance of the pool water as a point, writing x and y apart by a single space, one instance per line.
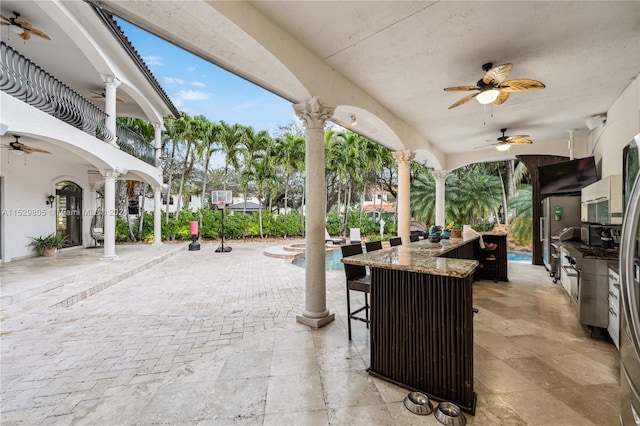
334 259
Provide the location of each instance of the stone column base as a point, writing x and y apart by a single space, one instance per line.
315 322
110 257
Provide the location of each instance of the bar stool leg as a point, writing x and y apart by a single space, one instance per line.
348 312
366 309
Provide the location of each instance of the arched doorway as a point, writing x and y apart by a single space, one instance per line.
69 212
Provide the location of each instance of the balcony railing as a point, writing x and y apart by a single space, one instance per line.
134 144
24 80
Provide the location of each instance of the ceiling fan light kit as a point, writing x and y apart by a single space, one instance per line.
16 30
488 96
503 147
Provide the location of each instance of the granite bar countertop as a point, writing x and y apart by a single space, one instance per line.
420 256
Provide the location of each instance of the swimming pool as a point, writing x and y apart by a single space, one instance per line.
334 259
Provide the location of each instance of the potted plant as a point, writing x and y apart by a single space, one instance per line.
47 245
456 230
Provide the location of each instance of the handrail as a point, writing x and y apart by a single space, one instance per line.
134 144
24 80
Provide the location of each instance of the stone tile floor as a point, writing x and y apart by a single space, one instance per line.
168 336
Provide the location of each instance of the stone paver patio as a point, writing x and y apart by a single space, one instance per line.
168 336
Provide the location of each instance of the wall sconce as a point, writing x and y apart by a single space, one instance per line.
50 200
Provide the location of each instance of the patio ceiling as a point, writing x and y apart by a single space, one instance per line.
387 62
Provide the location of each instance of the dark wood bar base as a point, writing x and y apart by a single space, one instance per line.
496 271
422 333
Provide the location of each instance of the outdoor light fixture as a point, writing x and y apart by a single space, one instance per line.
488 96
503 147
50 200
354 120
16 29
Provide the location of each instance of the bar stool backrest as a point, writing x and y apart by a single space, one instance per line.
353 271
373 245
395 241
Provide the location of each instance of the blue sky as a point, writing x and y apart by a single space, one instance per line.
198 87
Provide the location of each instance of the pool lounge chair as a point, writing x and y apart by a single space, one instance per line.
328 239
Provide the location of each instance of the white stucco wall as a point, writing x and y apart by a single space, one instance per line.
623 123
28 180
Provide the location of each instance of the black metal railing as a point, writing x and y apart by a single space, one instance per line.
25 80
134 144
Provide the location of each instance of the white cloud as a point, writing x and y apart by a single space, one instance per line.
191 68
154 60
193 95
174 80
198 84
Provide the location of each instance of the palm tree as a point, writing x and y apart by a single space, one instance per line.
521 227
173 134
423 197
289 153
229 140
254 145
189 136
265 176
208 139
481 193
146 130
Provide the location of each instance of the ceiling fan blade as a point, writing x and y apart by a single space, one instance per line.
514 137
520 141
464 100
497 74
502 97
29 150
521 85
39 33
26 35
461 88
101 95
4 18
24 24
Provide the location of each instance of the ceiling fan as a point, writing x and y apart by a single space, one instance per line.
492 87
19 146
102 95
22 28
504 142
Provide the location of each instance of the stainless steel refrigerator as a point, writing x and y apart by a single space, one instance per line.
558 212
630 287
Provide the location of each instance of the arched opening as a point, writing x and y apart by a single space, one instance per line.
69 212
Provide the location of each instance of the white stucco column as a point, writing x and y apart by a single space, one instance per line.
111 83
440 176
157 213
109 213
157 195
314 116
403 158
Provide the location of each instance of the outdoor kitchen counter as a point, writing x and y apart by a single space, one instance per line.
420 256
421 313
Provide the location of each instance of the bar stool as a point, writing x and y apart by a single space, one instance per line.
373 245
357 280
395 241
413 238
